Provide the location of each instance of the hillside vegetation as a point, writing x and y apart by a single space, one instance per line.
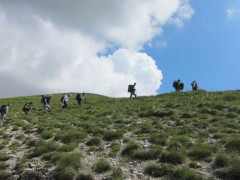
180 135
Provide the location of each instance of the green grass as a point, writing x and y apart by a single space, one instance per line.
102 166
169 131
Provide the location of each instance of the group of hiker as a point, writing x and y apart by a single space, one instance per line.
178 85
45 100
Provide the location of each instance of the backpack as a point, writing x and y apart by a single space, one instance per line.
130 88
62 98
24 107
175 84
3 108
78 96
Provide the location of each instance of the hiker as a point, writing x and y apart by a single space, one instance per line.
4 112
64 101
194 86
46 102
178 85
132 90
79 98
27 107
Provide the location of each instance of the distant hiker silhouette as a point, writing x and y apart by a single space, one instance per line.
4 112
132 90
194 86
178 85
79 98
64 101
46 102
27 107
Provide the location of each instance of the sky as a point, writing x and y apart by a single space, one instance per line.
57 46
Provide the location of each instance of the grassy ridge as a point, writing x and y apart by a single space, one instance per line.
180 135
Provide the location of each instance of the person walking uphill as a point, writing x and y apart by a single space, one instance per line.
27 107
4 112
46 102
79 98
194 86
132 90
64 101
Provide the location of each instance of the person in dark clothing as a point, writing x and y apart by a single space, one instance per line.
46 102
178 85
4 112
79 98
64 101
132 90
194 86
27 108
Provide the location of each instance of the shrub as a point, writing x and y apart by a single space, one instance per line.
102 166
44 147
146 155
230 98
47 134
84 177
233 143
117 174
70 160
4 175
157 171
222 160
158 139
172 157
200 152
185 174
67 147
67 173
187 115
3 165
94 141
232 172
70 136
3 157
130 147
111 135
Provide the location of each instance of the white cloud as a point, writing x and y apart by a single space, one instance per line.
230 12
53 46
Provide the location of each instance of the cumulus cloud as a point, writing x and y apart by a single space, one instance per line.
54 46
230 12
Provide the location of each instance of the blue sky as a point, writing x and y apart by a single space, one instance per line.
206 49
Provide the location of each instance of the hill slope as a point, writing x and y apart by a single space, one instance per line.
180 135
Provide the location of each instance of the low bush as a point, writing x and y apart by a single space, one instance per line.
172 157
201 152
84 177
158 171
233 143
146 155
130 147
70 136
158 139
185 174
101 166
44 147
232 172
111 135
117 174
4 175
94 141
46 134
3 156
222 160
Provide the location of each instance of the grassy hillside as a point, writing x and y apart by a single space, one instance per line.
180 135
